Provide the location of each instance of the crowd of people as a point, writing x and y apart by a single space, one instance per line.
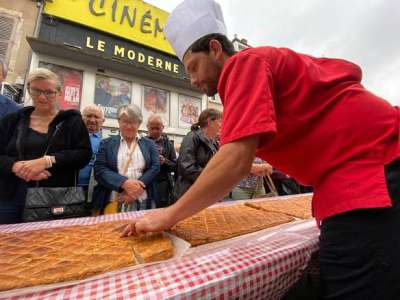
43 146
310 117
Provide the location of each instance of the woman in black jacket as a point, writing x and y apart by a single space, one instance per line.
24 137
197 148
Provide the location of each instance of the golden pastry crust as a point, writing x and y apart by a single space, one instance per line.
299 207
216 224
72 253
153 248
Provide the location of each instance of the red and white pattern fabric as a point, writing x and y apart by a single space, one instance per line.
263 266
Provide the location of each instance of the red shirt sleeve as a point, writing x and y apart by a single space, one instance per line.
246 91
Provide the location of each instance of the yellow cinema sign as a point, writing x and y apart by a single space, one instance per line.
134 20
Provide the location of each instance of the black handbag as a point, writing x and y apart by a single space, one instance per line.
51 203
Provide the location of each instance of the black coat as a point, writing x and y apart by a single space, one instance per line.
170 159
196 150
70 146
165 180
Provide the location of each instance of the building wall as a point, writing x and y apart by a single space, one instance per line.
111 125
215 105
25 13
215 102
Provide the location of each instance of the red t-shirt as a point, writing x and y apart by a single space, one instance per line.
317 123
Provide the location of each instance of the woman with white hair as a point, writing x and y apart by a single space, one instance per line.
40 145
126 166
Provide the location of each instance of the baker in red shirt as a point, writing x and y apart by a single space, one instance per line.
312 119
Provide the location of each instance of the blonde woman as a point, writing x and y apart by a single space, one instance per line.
24 137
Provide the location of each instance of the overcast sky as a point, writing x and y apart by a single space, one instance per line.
366 32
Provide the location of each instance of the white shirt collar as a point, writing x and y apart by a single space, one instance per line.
137 138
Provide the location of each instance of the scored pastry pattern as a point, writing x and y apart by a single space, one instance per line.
299 207
216 224
71 253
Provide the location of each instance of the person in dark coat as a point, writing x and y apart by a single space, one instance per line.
126 166
24 137
7 106
287 185
167 157
197 148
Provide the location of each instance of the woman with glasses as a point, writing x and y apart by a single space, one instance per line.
39 144
126 167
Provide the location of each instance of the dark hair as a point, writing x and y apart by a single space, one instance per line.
209 113
203 44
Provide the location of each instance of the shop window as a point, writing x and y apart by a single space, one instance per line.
7 28
110 93
71 81
189 111
155 101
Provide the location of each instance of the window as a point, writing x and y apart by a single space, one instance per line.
7 30
71 81
110 93
155 101
189 110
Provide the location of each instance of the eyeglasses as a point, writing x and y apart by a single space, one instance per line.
47 93
124 122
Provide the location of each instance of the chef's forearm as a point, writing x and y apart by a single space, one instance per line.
231 163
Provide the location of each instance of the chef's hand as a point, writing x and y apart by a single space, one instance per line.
155 221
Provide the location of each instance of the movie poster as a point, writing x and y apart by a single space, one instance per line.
189 110
155 101
110 93
71 82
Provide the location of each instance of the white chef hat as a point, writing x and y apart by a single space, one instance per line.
191 20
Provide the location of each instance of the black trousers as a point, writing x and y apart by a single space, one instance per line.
360 250
164 192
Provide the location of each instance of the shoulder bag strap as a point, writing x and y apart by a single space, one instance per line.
58 127
123 206
126 166
270 184
18 142
50 140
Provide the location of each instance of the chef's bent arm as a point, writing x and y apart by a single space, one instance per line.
229 165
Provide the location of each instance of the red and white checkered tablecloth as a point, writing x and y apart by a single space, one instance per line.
262 266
